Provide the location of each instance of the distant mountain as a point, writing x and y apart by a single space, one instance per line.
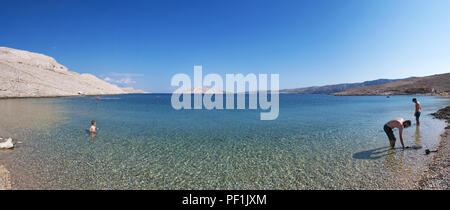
203 90
327 89
438 84
132 90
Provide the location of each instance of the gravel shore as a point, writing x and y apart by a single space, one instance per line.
5 183
436 177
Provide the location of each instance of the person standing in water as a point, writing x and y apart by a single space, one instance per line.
418 110
93 129
396 123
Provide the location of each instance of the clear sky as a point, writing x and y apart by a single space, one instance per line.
314 42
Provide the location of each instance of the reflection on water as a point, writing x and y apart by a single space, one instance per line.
401 168
417 136
394 159
372 154
18 115
92 136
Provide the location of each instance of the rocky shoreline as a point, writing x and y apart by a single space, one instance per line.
437 176
73 95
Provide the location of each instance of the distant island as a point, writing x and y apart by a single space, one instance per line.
203 90
28 74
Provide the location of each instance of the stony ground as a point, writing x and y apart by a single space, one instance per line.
437 176
5 182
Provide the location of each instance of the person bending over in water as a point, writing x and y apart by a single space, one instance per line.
93 129
418 110
396 123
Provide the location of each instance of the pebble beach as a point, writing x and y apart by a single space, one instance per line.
437 176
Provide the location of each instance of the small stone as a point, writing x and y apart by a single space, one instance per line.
7 144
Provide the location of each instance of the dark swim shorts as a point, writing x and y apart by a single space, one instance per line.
417 114
389 132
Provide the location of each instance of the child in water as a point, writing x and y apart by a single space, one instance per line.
93 129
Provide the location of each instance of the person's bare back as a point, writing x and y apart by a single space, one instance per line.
418 107
396 123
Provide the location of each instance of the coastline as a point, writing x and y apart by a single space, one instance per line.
396 94
437 174
68 96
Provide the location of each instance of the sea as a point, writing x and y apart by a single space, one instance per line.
317 142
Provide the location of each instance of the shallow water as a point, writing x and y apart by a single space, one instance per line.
317 142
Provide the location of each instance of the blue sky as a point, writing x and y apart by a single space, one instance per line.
314 42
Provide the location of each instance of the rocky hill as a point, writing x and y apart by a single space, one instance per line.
28 74
438 84
327 89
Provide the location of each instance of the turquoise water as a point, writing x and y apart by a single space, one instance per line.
317 142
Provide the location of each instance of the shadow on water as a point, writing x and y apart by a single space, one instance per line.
378 153
372 154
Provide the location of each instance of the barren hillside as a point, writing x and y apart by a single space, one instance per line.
28 74
438 84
